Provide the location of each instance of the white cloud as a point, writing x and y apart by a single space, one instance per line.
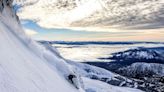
30 32
96 13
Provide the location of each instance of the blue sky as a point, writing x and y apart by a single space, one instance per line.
83 35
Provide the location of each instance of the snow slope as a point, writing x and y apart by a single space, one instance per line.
26 66
98 86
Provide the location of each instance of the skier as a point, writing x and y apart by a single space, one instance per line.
73 80
70 77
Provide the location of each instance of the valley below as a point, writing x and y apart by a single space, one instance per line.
139 64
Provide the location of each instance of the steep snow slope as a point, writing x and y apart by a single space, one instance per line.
26 66
102 13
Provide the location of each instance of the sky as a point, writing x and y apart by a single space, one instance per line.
61 34
93 20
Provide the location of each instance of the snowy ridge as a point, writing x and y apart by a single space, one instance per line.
149 55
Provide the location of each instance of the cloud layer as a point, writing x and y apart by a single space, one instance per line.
124 14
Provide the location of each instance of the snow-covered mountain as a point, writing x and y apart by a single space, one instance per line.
150 55
143 69
144 65
26 66
96 13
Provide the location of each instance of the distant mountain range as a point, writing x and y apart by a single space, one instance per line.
97 42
